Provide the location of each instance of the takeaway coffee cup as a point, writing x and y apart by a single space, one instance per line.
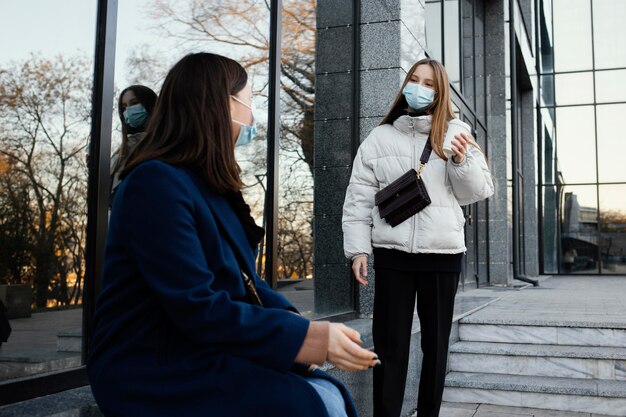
455 127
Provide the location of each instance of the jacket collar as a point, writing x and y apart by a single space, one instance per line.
228 224
409 125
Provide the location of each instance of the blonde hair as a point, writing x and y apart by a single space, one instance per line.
440 108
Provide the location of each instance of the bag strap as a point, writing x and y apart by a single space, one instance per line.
425 156
248 282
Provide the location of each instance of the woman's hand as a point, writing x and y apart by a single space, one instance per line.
359 267
344 351
459 146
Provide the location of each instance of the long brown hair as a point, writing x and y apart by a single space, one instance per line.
440 108
191 124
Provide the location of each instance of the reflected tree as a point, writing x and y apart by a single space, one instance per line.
45 109
241 30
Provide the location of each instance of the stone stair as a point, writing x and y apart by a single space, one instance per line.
567 366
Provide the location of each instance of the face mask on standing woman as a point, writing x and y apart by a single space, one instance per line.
418 96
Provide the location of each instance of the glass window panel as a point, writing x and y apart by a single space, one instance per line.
46 79
572 35
479 59
547 89
613 228
433 28
574 88
452 47
468 51
610 86
295 212
611 142
579 229
576 144
609 33
549 228
150 41
549 169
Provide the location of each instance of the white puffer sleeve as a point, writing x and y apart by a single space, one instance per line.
471 179
358 205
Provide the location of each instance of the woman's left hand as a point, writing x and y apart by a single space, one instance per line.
460 145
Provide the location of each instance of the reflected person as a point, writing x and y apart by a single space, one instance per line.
135 105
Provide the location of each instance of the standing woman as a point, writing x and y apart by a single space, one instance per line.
421 257
176 331
134 105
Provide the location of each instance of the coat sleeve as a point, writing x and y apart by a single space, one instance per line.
165 244
471 180
358 205
271 298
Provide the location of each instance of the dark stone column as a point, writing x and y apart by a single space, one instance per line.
496 62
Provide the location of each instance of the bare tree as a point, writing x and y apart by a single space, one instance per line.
15 220
241 30
44 110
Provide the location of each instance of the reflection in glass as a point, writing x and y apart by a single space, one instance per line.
295 212
479 58
613 228
574 88
579 229
549 160
452 49
576 144
611 142
45 104
433 28
609 33
239 30
550 230
468 50
572 35
610 86
547 90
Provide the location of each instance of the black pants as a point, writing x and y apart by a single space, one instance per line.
394 302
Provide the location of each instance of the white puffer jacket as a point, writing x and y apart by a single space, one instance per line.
387 153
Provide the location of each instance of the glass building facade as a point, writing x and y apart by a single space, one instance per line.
538 81
583 182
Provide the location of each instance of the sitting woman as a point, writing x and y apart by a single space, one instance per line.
177 332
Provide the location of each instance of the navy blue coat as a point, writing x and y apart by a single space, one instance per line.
172 334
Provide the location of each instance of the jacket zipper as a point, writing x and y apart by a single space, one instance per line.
414 217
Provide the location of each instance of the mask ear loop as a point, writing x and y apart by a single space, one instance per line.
248 106
238 100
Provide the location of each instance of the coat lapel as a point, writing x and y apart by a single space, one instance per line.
228 224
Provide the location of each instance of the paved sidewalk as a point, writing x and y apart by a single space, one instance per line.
586 301
486 410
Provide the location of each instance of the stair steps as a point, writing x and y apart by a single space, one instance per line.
578 367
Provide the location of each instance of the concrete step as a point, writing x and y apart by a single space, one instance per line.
70 341
546 333
589 362
565 394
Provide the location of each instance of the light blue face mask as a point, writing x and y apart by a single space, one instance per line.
418 96
135 115
246 132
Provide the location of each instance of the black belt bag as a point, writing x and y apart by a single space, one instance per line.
406 196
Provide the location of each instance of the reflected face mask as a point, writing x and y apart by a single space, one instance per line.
135 115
